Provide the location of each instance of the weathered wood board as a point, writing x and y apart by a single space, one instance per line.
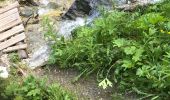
17 47
11 29
12 41
11 32
6 14
10 24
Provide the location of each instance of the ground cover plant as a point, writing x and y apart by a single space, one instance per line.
131 49
29 87
32 88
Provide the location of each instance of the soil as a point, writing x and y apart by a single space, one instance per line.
84 88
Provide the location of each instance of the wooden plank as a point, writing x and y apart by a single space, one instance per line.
7 8
9 19
12 41
11 32
10 25
14 48
8 13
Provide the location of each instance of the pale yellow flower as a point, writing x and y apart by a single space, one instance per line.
162 31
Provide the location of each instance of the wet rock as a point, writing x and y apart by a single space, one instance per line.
132 4
35 37
65 27
40 57
79 6
52 5
85 7
26 12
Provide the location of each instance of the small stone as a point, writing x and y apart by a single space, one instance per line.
52 5
26 12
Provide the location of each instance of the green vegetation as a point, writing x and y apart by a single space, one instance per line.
17 87
14 58
131 49
32 88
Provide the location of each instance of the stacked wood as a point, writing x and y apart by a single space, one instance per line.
12 36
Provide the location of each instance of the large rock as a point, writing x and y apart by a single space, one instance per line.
40 57
132 5
85 7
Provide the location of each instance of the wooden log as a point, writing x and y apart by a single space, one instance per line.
7 8
10 25
14 48
11 32
8 13
12 41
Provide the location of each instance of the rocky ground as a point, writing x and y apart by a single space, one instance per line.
32 17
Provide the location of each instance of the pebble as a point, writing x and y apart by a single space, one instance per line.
26 12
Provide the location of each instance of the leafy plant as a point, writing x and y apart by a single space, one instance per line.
14 58
128 48
32 88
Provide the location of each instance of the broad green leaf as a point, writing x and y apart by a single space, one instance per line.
152 31
168 25
138 53
142 71
139 72
167 54
119 42
34 92
130 50
127 64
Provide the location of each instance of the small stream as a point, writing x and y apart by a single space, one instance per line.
67 25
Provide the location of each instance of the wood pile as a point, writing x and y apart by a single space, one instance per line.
12 36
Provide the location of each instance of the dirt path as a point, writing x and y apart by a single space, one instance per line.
85 88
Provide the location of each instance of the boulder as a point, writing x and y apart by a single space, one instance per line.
39 58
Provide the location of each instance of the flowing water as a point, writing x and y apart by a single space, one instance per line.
66 26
